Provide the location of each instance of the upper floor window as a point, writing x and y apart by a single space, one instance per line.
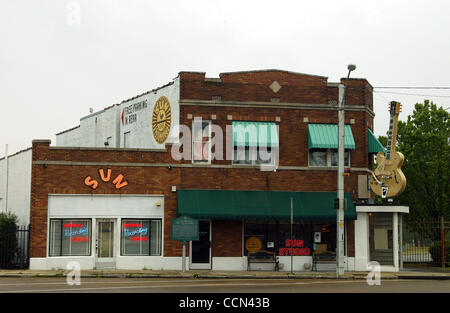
327 157
201 141
255 143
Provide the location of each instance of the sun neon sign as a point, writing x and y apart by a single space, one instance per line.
117 182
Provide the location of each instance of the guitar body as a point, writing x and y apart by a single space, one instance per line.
389 173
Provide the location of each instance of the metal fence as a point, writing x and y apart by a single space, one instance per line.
14 249
422 242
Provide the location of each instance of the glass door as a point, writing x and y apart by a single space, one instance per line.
105 244
200 250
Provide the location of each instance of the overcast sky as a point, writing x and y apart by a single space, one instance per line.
59 58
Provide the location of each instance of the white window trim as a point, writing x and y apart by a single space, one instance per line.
209 143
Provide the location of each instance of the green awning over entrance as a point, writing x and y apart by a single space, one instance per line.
374 145
325 136
273 205
255 134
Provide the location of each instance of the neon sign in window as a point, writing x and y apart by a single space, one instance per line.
141 237
296 249
70 237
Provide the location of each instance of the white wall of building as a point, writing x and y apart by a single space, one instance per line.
95 129
17 198
69 138
140 131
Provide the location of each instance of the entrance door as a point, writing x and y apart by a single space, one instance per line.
200 251
105 244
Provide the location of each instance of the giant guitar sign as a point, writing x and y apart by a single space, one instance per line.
388 180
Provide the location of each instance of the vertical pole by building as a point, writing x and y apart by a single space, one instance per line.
340 183
400 240
183 266
292 245
442 242
6 178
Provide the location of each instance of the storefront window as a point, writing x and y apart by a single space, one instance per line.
276 237
141 237
70 237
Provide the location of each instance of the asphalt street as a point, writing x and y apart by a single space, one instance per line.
141 285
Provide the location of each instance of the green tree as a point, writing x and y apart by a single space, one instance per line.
8 239
424 141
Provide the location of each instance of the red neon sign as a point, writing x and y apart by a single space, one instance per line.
295 243
73 225
133 225
80 239
295 251
145 238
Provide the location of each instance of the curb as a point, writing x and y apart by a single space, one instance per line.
356 276
203 276
428 277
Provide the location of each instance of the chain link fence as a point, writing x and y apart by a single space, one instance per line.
422 243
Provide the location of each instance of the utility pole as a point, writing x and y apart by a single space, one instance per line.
6 178
340 191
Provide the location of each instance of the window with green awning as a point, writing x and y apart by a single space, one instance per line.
375 145
325 136
255 134
268 205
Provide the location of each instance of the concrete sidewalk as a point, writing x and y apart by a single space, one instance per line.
207 274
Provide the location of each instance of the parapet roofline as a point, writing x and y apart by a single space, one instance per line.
129 99
67 130
17 153
272 70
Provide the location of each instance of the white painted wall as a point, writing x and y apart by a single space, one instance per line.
19 185
69 138
95 128
362 251
141 132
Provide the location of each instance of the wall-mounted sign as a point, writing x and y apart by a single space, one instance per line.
117 182
161 119
253 244
130 112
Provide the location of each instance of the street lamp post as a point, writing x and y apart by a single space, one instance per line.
340 193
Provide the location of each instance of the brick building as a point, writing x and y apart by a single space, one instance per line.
107 193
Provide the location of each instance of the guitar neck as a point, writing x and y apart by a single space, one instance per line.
392 137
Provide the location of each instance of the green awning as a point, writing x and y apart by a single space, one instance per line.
273 205
325 136
374 145
253 134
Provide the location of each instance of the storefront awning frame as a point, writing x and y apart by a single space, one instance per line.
261 205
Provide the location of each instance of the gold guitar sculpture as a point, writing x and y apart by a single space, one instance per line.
387 179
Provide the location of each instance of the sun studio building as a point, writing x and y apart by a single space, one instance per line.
230 152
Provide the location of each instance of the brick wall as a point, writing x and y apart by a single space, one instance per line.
293 138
